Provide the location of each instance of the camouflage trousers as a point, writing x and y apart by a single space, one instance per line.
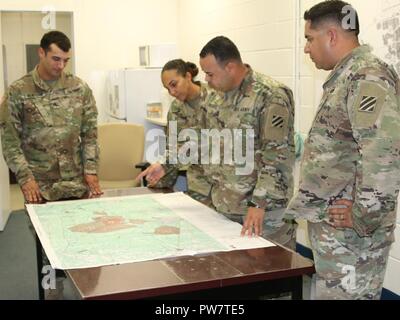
274 228
348 267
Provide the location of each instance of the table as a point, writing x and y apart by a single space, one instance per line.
240 274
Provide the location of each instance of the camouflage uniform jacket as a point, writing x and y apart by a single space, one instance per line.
352 150
50 133
263 109
188 115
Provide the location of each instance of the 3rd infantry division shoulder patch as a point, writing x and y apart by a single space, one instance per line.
277 121
368 104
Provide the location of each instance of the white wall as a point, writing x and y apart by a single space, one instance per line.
262 30
311 79
22 28
107 33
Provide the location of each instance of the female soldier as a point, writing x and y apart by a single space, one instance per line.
187 111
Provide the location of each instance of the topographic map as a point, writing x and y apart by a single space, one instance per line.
103 232
96 232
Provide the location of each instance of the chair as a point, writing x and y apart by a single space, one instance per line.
121 148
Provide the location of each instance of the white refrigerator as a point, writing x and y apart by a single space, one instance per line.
130 91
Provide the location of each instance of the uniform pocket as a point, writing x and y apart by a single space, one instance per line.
34 112
352 241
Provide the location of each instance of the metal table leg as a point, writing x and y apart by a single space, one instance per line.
39 261
297 288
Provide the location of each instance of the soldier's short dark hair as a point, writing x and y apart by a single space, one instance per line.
332 10
223 49
55 37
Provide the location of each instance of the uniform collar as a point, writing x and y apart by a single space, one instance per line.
244 86
203 92
200 97
346 61
39 82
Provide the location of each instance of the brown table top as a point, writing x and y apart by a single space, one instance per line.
189 273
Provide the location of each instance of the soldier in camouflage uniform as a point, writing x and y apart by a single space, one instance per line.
186 112
257 198
48 126
350 172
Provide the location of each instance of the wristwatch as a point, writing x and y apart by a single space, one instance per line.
252 204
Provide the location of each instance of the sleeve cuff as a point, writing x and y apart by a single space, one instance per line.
91 172
360 227
168 168
259 202
24 177
90 168
169 179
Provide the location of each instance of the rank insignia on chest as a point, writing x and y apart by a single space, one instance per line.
368 104
278 121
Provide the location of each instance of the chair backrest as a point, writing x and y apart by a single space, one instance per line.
121 147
